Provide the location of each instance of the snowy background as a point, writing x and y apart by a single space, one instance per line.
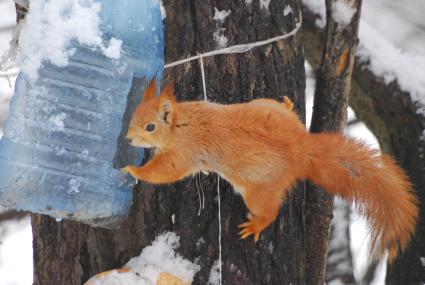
392 38
15 235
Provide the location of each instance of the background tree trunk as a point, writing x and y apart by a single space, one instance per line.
69 252
339 265
392 116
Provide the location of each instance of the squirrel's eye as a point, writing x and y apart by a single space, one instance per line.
150 127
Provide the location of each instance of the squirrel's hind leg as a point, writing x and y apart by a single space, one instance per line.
263 206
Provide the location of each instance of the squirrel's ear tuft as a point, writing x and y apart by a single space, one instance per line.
150 91
166 102
168 90
166 106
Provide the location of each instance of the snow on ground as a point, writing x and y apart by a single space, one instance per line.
146 268
161 257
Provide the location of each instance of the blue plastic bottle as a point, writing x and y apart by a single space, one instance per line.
63 143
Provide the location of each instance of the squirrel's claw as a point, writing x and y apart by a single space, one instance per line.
129 169
253 227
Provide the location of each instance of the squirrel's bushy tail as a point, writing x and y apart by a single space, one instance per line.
373 181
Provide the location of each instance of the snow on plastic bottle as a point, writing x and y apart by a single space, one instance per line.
63 143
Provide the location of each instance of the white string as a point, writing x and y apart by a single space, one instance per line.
201 204
199 194
204 87
203 78
219 226
238 48
202 191
198 184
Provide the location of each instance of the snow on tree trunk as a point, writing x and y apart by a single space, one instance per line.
69 253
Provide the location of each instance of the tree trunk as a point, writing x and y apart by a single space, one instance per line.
392 116
333 85
69 252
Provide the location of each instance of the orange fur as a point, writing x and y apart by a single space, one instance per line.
262 149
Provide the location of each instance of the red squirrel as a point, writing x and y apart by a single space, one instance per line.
262 149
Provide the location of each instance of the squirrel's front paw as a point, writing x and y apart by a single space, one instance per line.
130 169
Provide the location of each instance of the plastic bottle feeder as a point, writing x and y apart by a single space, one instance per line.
64 139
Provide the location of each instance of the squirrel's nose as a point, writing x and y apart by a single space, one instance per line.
129 139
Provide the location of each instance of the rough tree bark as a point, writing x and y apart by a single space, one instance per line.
392 116
69 252
333 85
